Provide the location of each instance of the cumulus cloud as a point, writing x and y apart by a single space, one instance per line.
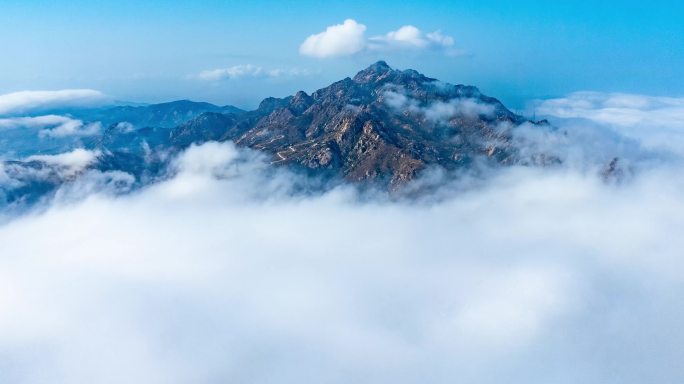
31 101
349 38
248 70
225 273
337 40
407 34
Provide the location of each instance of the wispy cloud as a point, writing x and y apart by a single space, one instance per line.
349 38
409 37
248 70
52 125
438 111
33 121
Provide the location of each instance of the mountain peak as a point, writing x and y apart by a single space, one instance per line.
300 102
380 73
374 72
380 65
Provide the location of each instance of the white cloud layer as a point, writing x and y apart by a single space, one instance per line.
248 70
223 274
349 38
657 121
31 101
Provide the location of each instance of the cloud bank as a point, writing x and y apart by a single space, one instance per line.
349 38
226 273
657 121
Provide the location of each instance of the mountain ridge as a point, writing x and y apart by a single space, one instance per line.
381 127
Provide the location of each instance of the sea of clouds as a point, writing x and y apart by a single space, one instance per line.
229 272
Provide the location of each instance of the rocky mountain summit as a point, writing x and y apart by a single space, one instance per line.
382 125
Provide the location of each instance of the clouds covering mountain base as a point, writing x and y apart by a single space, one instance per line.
226 272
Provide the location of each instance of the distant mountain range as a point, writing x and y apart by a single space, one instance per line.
383 126
164 115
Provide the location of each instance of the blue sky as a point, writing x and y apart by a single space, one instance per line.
154 50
